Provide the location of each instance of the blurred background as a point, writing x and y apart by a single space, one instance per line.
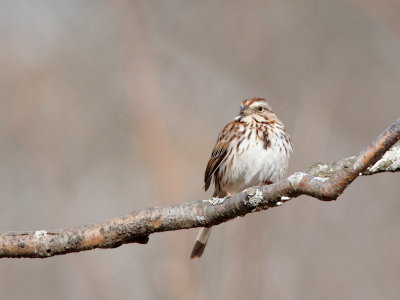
112 106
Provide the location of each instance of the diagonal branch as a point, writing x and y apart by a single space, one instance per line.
332 179
390 162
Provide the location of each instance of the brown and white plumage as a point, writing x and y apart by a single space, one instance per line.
252 149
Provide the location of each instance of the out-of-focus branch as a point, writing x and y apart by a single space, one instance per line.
322 181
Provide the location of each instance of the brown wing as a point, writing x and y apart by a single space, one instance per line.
219 153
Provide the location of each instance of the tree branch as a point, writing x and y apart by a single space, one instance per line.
390 162
322 181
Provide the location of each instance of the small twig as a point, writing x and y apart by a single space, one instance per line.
322 181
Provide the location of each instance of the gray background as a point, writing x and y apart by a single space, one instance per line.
111 106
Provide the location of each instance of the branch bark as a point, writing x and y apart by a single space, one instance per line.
322 181
390 162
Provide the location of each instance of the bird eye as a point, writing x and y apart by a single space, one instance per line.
260 109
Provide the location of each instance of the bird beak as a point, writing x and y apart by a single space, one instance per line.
244 111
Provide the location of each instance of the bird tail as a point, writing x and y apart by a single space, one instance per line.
201 242
204 233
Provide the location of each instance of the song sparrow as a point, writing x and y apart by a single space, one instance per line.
252 149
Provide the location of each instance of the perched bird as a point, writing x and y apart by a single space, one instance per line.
253 149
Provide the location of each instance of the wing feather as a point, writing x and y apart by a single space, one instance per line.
219 153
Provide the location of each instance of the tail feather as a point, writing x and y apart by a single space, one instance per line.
204 233
201 242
